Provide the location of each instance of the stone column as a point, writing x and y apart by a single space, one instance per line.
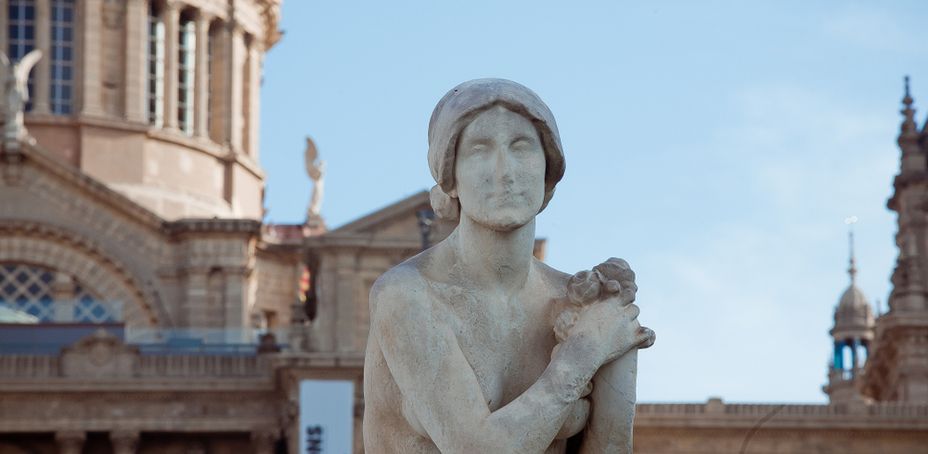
236 60
201 80
136 79
42 72
70 441
124 441
91 96
254 83
263 441
171 19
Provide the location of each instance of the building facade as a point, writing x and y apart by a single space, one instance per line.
145 307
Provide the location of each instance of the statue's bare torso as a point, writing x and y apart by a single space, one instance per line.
507 343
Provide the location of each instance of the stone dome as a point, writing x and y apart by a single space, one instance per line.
853 310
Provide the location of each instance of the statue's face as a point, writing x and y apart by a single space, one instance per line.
499 170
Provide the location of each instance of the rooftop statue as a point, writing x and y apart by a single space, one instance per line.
15 78
315 170
475 345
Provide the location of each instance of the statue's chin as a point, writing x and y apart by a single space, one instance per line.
503 224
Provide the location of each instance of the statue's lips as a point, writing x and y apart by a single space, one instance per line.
507 197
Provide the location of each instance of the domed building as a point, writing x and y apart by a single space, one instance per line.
852 334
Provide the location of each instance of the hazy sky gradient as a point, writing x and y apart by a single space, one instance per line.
717 146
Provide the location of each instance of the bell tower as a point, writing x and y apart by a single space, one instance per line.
852 335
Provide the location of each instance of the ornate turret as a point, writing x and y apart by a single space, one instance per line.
897 370
852 334
913 157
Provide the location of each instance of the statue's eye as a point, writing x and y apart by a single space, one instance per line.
521 144
478 148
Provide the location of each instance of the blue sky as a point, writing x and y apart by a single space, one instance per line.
718 147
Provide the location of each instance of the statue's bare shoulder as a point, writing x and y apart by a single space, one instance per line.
403 288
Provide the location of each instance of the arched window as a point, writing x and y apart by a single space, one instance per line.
215 78
186 69
21 33
62 56
50 296
155 65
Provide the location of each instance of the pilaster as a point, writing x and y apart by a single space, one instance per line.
42 71
194 313
4 25
237 301
327 313
346 295
136 68
91 98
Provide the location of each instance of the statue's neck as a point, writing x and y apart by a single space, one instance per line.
497 261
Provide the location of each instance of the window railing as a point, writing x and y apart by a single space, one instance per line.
51 338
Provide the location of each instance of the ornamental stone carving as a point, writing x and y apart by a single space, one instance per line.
100 355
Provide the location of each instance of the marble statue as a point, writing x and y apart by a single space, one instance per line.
476 346
315 169
16 89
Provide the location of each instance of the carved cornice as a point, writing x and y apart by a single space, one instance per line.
270 15
235 226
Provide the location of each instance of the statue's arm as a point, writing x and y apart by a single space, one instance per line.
609 428
442 390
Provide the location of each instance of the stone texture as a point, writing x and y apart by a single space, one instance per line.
459 357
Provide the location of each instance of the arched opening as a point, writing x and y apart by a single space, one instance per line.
155 64
52 296
61 91
186 70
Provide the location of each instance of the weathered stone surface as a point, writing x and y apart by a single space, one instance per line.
459 357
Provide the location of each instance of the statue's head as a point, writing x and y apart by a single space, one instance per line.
495 153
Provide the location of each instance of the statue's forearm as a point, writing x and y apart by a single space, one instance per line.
609 429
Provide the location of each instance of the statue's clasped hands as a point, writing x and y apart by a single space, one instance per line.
602 312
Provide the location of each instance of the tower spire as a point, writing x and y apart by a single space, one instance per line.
908 123
852 262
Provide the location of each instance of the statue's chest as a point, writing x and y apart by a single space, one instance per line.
508 348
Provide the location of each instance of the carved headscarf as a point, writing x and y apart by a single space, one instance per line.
459 107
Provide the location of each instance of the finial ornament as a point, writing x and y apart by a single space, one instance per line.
15 78
908 123
315 169
852 267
